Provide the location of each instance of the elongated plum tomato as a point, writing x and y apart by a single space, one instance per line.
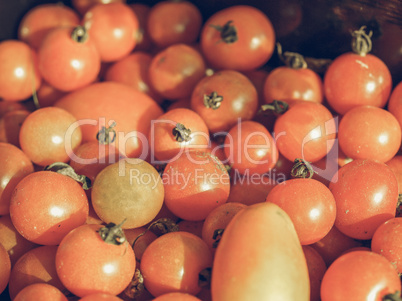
239 37
87 263
130 189
259 257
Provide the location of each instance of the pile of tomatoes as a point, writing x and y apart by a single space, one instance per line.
148 154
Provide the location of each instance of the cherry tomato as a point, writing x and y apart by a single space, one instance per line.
307 130
239 37
353 80
396 166
195 184
15 165
386 241
49 135
35 266
250 148
175 70
309 204
40 291
395 103
19 70
41 19
289 83
5 268
176 131
368 132
366 195
193 227
48 95
177 296
174 22
141 10
223 98
82 6
130 189
259 257
100 297
53 210
172 263
359 275
87 264
141 242
10 125
316 270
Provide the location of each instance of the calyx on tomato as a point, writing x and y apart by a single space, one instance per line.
361 42
277 107
213 100
104 137
67 170
228 32
302 169
181 133
112 233
79 34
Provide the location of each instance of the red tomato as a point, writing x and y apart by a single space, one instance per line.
387 240
395 103
113 28
223 98
50 135
175 70
285 83
359 275
48 95
250 148
54 204
316 270
40 291
5 268
141 10
307 130
175 132
260 258
366 195
195 184
19 73
15 165
309 204
10 125
87 264
35 266
141 242
396 166
353 80
82 6
174 22
41 19
239 37
172 262
193 227
131 110
368 132
177 296
100 297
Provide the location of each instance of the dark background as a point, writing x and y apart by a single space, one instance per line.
314 28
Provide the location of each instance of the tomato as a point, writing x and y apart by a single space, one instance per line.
309 204
175 70
193 227
14 243
195 184
19 73
5 268
54 204
359 275
82 6
172 262
174 22
132 70
177 296
386 241
48 95
10 125
250 148
141 242
131 110
41 19
87 264
49 135
285 83
395 103
68 58
15 165
35 266
223 98
316 270
396 166
368 132
113 28
40 291
366 195
353 80
307 130
141 10
100 297
239 37
176 131
8 106
218 219
130 189
259 257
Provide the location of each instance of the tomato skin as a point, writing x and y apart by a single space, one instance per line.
86 264
255 44
82 6
359 275
316 270
353 80
5 268
366 195
176 297
260 258
54 210
395 103
40 291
